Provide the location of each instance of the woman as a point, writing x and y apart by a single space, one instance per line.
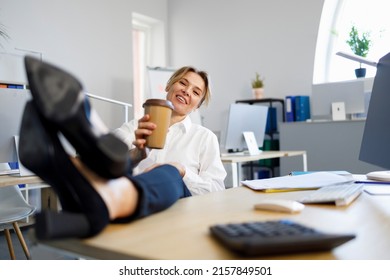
192 148
97 187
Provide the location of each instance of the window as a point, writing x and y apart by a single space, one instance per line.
139 64
147 34
337 18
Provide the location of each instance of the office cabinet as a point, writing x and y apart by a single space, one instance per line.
330 146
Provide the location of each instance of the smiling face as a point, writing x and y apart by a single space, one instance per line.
186 94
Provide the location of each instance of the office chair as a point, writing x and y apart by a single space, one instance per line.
13 208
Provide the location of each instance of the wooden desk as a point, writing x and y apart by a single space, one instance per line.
182 231
48 196
235 161
9 180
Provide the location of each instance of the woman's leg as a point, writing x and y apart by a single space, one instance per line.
134 197
90 201
157 189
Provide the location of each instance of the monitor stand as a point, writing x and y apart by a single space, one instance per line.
251 143
379 176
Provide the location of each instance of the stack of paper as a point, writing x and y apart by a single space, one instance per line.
309 181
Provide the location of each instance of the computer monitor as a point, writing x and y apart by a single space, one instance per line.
354 94
12 102
375 146
242 118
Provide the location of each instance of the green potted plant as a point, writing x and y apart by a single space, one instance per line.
360 45
258 86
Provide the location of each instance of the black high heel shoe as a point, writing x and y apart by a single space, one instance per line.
37 155
40 150
59 98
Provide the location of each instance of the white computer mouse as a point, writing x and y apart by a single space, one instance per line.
379 175
280 205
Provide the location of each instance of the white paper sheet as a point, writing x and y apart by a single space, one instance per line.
307 181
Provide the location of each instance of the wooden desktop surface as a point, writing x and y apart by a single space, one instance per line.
235 161
10 180
226 158
182 231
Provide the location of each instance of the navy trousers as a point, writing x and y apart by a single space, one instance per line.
158 189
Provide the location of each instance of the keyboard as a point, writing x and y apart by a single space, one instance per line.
275 237
340 195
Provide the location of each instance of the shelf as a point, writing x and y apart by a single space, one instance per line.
13 85
265 100
262 100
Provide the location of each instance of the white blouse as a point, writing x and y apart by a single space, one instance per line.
192 145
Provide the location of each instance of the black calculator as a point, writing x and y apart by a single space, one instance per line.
275 237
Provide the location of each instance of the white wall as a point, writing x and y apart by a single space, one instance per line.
232 39
90 38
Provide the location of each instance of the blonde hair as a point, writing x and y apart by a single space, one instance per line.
180 73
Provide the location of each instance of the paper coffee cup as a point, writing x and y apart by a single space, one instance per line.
160 112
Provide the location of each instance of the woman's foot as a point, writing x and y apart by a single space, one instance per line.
120 195
36 152
40 150
59 98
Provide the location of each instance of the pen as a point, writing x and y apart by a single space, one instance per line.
372 182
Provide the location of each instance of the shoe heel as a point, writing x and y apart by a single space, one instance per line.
54 225
60 99
37 154
115 162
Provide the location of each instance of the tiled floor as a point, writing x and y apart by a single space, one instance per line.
38 252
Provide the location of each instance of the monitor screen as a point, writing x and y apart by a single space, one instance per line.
245 117
375 146
12 102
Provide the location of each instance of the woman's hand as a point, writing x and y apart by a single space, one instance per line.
145 128
177 165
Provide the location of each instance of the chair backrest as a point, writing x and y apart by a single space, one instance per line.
13 206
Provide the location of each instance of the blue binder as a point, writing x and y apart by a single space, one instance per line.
271 125
302 108
290 108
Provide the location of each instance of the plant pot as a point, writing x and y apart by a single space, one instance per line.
360 72
258 93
